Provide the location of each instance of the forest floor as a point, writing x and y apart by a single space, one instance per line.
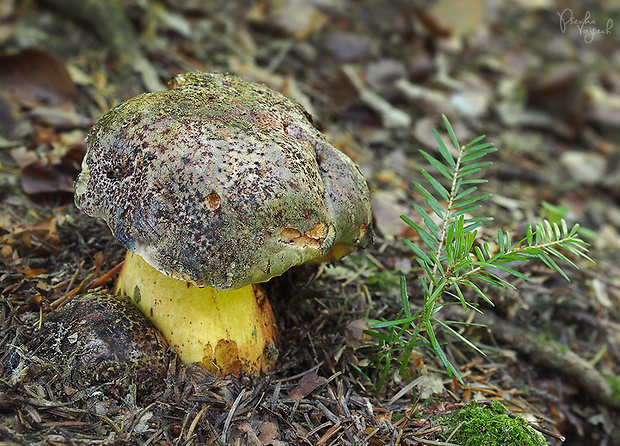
540 79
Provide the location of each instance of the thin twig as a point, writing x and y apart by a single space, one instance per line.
103 279
455 430
153 438
275 396
231 414
328 413
195 421
403 391
318 428
540 429
432 442
329 434
85 286
299 375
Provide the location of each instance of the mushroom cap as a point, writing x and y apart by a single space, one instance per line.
221 182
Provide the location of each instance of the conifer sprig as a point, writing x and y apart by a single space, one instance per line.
452 258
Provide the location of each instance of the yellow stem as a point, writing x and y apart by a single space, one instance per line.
230 331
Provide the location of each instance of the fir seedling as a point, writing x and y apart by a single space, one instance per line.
453 260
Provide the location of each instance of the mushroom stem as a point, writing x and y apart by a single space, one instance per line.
228 331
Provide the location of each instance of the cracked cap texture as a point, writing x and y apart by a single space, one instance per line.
221 182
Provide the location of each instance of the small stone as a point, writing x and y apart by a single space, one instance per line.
384 72
347 47
583 167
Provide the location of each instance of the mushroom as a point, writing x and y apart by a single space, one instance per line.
214 186
101 340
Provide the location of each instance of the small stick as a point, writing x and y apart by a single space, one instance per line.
455 430
231 414
432 442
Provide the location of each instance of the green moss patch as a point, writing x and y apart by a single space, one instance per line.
490 425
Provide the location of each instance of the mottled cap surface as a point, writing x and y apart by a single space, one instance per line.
221 182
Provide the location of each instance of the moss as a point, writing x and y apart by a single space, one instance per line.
383 281
490 426
498 407
614 383
544 341
397 416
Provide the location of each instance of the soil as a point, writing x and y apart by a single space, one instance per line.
540 79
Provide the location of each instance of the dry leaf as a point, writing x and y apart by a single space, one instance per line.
448 17
268 433
306 385
41 176
354 333
37 78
